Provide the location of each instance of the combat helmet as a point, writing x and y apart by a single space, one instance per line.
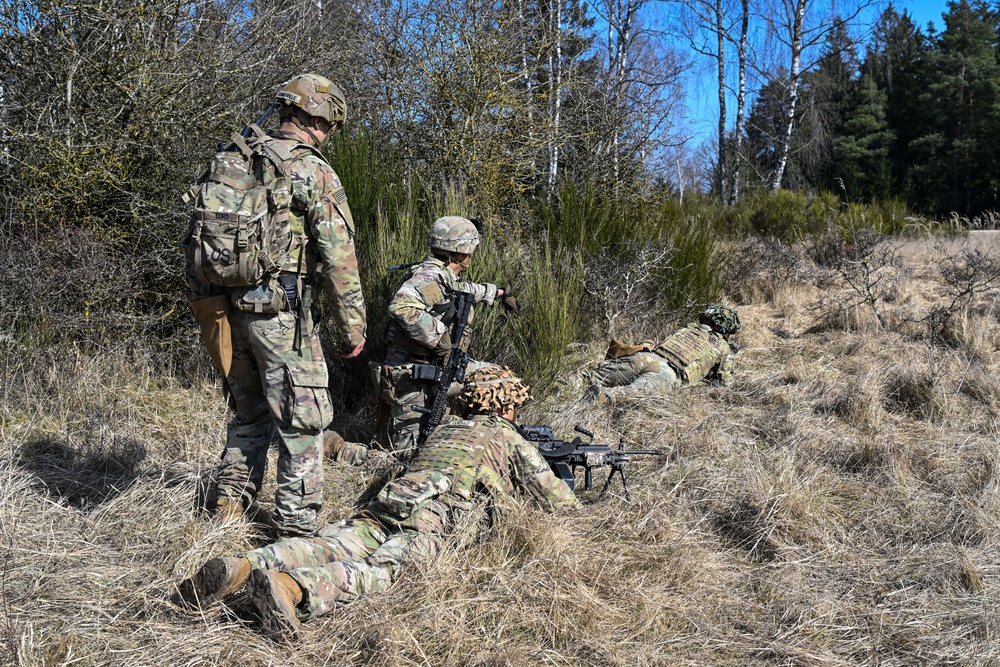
723 319
493 388
317 96
454 233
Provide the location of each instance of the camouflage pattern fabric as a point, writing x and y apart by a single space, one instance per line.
689 355
420 306
403 428
418 318
275 388
642 370
697 352
470 458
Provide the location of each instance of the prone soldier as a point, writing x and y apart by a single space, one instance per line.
699 351
463 463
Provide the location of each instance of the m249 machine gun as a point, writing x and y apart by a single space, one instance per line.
566 456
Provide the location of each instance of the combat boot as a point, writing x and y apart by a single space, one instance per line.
274 595
215 581
341 451
229 510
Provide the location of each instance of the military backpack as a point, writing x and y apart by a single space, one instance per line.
239 232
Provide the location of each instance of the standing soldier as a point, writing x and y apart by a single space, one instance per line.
698 351
419 326
464 464
263 337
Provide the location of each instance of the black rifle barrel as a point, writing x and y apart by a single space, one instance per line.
247 131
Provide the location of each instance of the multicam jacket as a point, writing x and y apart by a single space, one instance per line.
697 352
419 313
466 458
319 213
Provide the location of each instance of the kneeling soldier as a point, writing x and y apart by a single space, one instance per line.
418 330
462 464
699 351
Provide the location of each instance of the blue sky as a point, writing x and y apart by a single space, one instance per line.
702 120
923 11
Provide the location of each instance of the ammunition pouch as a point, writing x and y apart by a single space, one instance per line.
273 296
405 495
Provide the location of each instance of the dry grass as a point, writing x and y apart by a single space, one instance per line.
838 506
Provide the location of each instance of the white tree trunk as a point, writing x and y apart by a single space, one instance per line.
741 97
793 92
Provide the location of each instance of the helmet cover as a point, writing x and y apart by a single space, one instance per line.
317 96
453 233
494 388
723 319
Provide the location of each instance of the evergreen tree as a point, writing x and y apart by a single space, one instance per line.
955 159
861 151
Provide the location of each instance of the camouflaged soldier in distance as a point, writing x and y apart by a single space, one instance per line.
275 387
418 319
463 463
698 351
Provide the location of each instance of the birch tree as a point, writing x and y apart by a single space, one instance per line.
799 26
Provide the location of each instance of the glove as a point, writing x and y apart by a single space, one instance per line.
510 301
443 348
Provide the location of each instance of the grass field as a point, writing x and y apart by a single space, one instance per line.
838 506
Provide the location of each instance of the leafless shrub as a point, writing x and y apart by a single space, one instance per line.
621 285
759 267
868 268
972 272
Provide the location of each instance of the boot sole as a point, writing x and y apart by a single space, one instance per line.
278 620
211 584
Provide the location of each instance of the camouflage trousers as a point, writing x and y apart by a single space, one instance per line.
277 390
346 560
642 370
399 394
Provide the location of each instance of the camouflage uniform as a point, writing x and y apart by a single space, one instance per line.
273 386
694 353
460 465
418 318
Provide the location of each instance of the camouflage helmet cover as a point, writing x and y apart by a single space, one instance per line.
493 388
453 233
317 96
723 319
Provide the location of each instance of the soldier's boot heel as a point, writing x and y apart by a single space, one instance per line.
274 596
215 581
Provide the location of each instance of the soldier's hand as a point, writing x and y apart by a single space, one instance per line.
509 301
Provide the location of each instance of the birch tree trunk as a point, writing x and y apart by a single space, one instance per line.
720 33
741 98
793 92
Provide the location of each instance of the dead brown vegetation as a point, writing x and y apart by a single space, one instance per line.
838 505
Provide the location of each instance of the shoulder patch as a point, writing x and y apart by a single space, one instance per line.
340 195
431 292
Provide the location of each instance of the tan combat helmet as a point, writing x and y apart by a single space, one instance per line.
317 96
453 233
494 388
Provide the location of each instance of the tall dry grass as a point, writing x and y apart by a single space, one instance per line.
837 506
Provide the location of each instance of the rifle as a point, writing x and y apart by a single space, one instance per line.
565 457
249 130
452 371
